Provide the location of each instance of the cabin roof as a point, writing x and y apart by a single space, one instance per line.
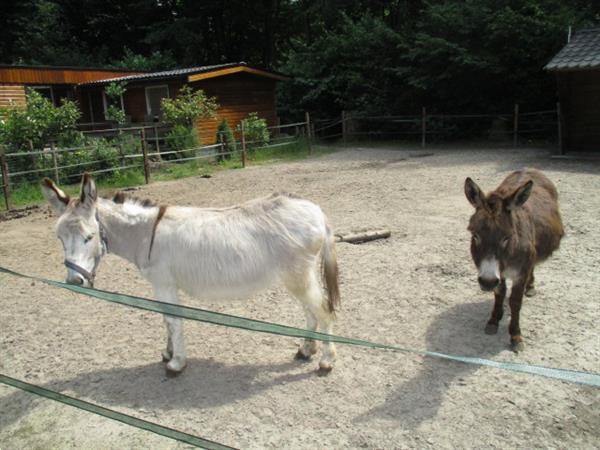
191 74
582 52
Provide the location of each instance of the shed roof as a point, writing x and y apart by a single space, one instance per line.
582 52
192 74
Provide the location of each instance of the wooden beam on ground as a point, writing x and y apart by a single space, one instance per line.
363 236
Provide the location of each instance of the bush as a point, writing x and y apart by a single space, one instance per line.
181 139
188 107
114 91
225 135
39 122
256 132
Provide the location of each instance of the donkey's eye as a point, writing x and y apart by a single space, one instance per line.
476 239
504 242
88 238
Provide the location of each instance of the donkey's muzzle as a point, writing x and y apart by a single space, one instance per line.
488 284
75 279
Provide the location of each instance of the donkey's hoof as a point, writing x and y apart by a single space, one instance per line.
300 356
530 292
173 373
517 345
324 369
491 328
174 368
166 356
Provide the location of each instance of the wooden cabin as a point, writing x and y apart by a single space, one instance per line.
577 69
54 83
239 90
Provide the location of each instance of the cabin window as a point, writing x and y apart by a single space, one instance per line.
106 102
44 91
154 94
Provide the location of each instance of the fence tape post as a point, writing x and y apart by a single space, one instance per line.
145 153
516 126
308 133
5 179
243 144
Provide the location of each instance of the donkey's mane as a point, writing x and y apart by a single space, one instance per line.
121 197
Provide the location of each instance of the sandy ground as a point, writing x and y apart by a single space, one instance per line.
416 289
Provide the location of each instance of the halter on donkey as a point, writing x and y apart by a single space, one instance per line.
207 252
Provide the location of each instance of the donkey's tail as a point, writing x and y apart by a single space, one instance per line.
330 272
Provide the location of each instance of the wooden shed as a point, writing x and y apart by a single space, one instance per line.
53 82
577 69
238 88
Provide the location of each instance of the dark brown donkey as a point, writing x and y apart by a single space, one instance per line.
513 228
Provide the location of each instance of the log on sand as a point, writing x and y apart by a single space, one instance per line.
358 237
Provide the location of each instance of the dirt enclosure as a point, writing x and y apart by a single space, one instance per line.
417 289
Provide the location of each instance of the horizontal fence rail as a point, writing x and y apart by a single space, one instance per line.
518 127
140 148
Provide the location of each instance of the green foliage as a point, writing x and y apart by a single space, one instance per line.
225 135
114 112
157 61
256 131
189 106
183 140
39 122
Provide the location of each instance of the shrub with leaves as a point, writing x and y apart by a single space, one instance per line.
225 135
188 106
181 139
256 131
39 122
114 112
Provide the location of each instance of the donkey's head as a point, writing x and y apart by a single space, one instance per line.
78 229
492 230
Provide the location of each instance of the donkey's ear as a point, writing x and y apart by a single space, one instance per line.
473 193
56 197
88 194
519 196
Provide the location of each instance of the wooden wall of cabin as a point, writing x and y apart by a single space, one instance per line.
12 94
238 95
579 94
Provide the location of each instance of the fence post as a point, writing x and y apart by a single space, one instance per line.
243 145
516 126
559 121
5 179
308 133
55 161
221 157
156 144
423 126
145 153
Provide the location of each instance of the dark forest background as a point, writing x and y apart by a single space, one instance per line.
372 56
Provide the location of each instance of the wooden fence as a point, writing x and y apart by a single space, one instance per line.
516 127
124 149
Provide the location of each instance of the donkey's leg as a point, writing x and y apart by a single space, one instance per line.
175 351
310 346
308 290
530 289
515 301
498 311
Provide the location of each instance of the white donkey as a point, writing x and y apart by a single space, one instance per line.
207 252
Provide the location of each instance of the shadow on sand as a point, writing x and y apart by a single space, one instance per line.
203 385
459 331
